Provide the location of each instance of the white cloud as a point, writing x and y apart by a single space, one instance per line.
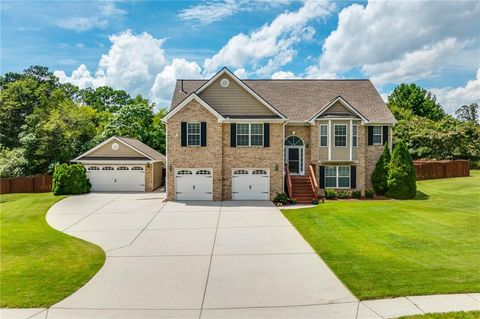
131 64
165 81
273 41
390 39
280 75
452 98
213 11
100 19
241 73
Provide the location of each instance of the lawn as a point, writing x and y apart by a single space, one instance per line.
429 245
39 265
447 315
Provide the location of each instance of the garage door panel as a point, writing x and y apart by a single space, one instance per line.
250 184
194 184
116 178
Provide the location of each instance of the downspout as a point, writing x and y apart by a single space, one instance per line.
283 158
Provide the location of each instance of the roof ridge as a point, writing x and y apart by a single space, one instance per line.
282 80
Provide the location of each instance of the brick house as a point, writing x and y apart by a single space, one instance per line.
251 139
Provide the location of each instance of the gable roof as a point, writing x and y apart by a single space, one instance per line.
192 96
342 101
300 100
133 143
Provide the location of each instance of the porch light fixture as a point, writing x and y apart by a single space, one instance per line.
275 167
170 168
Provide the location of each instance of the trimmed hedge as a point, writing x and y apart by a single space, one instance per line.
401 177
380 174
70 180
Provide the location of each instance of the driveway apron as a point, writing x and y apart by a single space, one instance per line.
197 260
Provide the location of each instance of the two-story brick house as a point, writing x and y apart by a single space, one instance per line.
251 139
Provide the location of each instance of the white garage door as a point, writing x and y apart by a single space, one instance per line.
117 178
194 184
251 184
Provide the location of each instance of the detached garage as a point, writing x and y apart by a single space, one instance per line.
122 164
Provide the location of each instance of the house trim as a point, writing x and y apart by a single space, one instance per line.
190 98
344 103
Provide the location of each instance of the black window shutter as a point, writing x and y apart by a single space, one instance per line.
322 177
184 133
233 135
353 177
266 134
370 135
203 134
385 134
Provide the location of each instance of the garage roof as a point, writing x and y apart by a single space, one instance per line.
136 145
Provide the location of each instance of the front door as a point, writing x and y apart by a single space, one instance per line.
295 160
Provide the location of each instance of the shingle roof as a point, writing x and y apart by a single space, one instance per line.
300 100
144 148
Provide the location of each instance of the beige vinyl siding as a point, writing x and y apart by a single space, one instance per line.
233 100
338 108
107 151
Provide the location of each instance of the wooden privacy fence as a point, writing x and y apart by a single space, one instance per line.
26 184
441 169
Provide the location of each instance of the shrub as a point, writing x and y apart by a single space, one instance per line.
357 194
380 174
293 201
343 194
369 193
70 180
281 198
330 193
401 176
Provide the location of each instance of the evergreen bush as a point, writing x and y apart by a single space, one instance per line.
380 174
401 174
330 193
70 180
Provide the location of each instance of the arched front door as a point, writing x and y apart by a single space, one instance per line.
295 155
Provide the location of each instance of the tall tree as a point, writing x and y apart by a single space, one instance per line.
380 173
105 98
412 99
468 113
401 174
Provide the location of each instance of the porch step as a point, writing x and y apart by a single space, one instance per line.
302 189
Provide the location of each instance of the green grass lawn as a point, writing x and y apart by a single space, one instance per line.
429 245
39 265
447 315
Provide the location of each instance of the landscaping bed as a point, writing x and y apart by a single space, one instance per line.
40 265
379 249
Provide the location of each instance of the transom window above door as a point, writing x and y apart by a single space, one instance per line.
249 134
293 141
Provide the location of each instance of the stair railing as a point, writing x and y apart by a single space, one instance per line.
313 181
288 178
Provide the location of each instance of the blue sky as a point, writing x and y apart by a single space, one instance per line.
142 46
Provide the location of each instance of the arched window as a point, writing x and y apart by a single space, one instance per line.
293 141
137 168
93 168
107 168
203 172
184 172
259 172
240 172
122 168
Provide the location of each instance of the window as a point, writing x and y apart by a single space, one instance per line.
183 172
93 168
293 141
193 134
377 135
337 176
355 136
341 135
323 135
259 172
240 172
122 168
203 172
249 134
137 168
107 168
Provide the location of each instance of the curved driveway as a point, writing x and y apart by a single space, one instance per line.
197 260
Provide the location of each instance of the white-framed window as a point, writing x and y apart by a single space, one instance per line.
323 135
107 168
259 172
240 172
193 134
337 176
354 135
122 168
137 168
377 135
93 168
184 172
203 172
340 134
249 134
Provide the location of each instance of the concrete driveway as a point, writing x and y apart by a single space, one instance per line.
197 260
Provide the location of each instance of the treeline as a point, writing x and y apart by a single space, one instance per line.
428 131
44 122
